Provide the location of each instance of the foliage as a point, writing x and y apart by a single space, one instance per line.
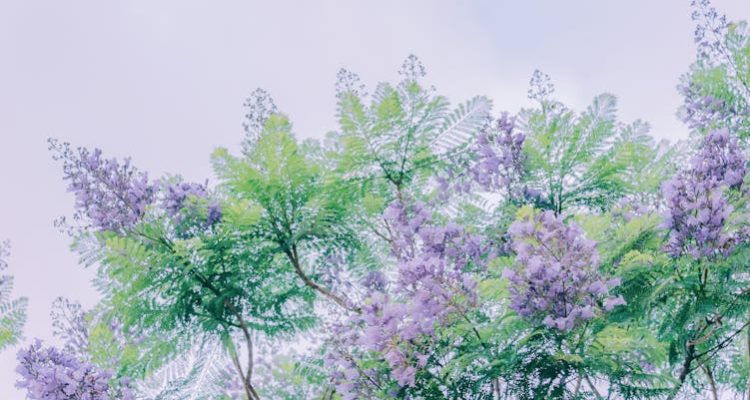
424 251
12 311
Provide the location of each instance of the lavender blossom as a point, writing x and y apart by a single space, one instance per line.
375 281
495 163
555 277
721 159
720 50
703 112
346 375
213 213
177 194
113 196
696 200
177 204
49 374
499 161
432 285
399 319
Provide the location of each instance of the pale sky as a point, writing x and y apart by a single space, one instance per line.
164 82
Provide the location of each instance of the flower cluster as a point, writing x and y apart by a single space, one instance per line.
49 374
400 317
710 104
416 239
710 28
177 204
72 324
176 194
391 327
499 152
496 161
701 112
432 284
555 276
113 196
721 159
374 281
347 376
697 207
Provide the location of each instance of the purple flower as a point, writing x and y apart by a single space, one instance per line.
49 374
697 207
178 193
613 302
375 281
555 276
180 204
214 213
431 285
113 196
495 161
346 375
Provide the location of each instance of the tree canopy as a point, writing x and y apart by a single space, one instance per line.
422 250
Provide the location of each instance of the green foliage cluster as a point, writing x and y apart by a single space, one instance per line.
12 310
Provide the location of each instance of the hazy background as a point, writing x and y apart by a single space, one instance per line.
164 82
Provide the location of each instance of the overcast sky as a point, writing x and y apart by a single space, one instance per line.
164 82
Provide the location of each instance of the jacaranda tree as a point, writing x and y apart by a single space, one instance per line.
424 250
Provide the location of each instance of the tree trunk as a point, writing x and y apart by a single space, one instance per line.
711 381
